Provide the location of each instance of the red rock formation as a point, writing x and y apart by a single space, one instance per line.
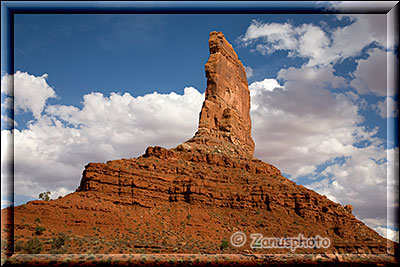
225 122
191 198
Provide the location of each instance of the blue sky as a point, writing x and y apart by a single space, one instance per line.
126 51
123 53
101 87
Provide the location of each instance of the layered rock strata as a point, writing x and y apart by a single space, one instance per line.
192 198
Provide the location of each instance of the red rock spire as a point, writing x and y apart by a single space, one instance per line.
225 116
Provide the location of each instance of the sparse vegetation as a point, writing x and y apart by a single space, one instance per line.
45 196
33 246
57 243
224 244
19 246
39 229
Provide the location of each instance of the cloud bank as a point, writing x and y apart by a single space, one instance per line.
320 46
308 120
51 151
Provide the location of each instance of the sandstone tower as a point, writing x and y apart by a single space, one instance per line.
225 121
192 198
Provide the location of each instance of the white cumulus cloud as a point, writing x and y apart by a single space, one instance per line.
387 108
373 75
304 124
301 125
63 139
315 44
32 93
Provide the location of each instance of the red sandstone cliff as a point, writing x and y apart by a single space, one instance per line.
191 198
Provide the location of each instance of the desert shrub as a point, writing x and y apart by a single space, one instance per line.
39 229
37 220
18 246
45 196
224 244
59 241
33 246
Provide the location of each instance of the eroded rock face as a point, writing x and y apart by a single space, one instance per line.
202 198
225 116
194 196
163 176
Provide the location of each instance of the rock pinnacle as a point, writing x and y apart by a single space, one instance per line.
225 123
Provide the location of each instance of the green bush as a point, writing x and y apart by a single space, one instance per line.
224 244
59 241
33 246
39 229
45 196
18 246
